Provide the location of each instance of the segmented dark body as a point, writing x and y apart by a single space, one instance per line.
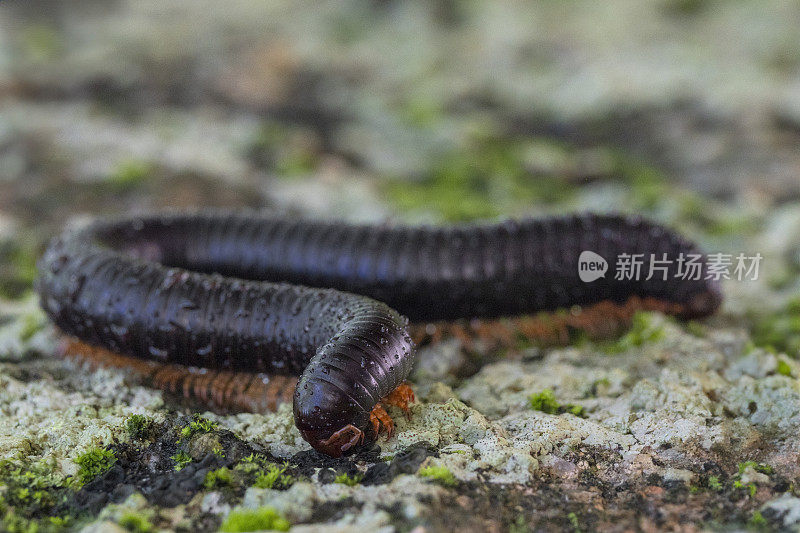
233 291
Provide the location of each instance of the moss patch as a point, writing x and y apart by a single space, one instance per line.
650 190
485 179
546 402
139 427
129 174
758 467
196 426
350 481
274 477
33 498
220 477
779 330
181 460
265 518
135 523
757 521
17 267
783 368
285 149
439 474
644 329
94 462
264 474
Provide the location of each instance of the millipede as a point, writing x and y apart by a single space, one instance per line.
236 294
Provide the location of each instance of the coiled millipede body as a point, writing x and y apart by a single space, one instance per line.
273 295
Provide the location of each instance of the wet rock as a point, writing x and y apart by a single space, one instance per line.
297 503
785 509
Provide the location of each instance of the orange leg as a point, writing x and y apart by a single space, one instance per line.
341 441
218 390
401 397
601 320
380 421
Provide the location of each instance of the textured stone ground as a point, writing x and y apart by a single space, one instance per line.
685 111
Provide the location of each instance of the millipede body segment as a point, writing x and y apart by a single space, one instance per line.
275 295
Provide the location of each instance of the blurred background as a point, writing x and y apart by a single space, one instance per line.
687 111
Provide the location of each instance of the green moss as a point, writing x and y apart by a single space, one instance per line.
59 522
268 136
32 497
10 522
17 267
492 176
546 402
265 474
781 280
220 477
646 185
251 464
129 174
649 189
440 474
694 209
421 112
93 463
268 139
783 368
520 525
197 425
749 487
696 328
218 451
749 347
285 150
643 330
483 180
274 477
758 467
139 427
265 518
135 523
181 460
31 324
686 7
779 330
731 224
600 386
757 521
298 162
576 410
20 329
41 42
573 521
344 479
714 483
